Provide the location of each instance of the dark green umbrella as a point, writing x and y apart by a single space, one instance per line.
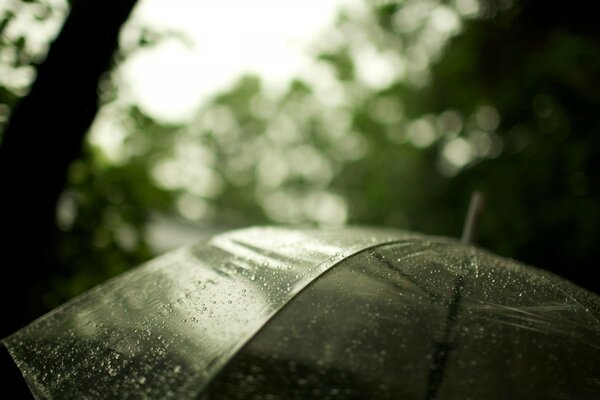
277 313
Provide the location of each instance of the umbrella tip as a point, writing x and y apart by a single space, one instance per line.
469 233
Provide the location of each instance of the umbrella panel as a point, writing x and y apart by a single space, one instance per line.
423 320
165 329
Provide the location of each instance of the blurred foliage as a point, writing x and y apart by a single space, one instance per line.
408 107
103 212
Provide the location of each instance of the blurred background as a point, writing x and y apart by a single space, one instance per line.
131 128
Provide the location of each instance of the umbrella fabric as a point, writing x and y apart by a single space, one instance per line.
424 320
165 329
261 314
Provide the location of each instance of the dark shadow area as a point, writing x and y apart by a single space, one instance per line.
13 383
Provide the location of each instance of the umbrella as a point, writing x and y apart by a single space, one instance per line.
282 313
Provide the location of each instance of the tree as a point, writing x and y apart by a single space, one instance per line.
43 137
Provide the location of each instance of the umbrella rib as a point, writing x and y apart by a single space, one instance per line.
440 356
438 364
409 278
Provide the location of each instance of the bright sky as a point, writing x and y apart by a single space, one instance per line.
227 38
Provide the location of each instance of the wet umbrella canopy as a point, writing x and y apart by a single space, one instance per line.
275 313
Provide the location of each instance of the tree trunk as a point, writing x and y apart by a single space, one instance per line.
43 137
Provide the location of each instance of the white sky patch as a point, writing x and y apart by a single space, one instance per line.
227 38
